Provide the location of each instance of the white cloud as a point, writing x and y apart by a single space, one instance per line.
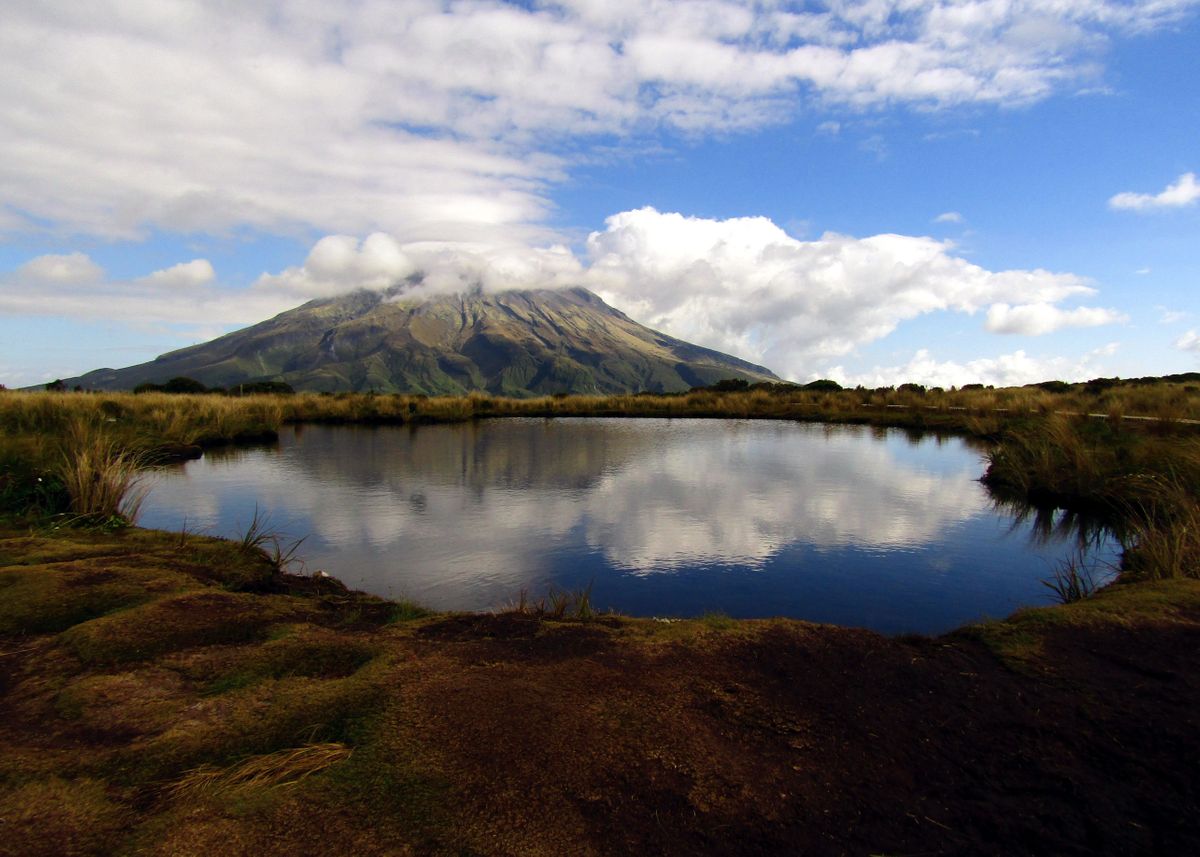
74 286
340 263
949 217
436 121
53 270
1040 318
1190 341
1005 370
745 287
742 286
1185 191
185 275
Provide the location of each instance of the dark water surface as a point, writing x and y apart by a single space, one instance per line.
849 525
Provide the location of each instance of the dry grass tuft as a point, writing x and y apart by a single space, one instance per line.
105 481
281 768
1164 537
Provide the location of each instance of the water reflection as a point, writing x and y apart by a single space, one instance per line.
681 511
1048 525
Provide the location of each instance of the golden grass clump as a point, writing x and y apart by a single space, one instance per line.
1163 541
281 768
103 479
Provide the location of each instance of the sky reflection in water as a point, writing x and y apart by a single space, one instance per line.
850 525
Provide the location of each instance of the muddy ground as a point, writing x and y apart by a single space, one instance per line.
167 696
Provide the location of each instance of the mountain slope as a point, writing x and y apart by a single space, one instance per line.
516 343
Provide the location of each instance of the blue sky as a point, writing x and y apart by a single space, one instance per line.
873 191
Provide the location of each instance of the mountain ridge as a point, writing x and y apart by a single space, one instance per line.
518 343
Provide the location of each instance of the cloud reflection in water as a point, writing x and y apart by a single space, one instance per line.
464 516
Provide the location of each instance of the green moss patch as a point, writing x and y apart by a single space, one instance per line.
177 622
55 817
263 718
312 654
1020 639
44 599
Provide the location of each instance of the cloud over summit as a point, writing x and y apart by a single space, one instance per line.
740 285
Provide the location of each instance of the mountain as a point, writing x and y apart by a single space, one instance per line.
515 343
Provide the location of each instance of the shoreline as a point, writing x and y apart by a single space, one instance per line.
169 693
212 697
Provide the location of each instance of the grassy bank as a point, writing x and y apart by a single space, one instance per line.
1126 453
167 693
165 419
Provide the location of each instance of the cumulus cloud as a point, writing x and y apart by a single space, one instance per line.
1185 191
437 121
1190 341
55 270
341 263
949 217
1005 370
742 285
185 275
746 287
184 295
1040 318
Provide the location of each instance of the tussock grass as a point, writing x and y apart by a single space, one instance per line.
1163 540
270 770
104 480
1074 579
262 538
556 604
1144 482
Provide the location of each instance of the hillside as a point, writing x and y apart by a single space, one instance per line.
515 343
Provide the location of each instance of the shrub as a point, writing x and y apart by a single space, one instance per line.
182 384
103 480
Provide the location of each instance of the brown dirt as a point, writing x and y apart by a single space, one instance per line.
791 738
510 734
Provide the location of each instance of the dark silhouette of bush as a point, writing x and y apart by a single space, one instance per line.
1097 385
730 385
182 384
179 384
919 389
259 387
823 385
56 386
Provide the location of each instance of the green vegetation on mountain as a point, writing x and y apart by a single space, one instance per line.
517 343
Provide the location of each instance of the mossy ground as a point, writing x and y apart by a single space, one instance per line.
162 694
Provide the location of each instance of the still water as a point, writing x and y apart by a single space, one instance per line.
849 525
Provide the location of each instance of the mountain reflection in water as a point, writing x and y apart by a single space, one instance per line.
843 524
